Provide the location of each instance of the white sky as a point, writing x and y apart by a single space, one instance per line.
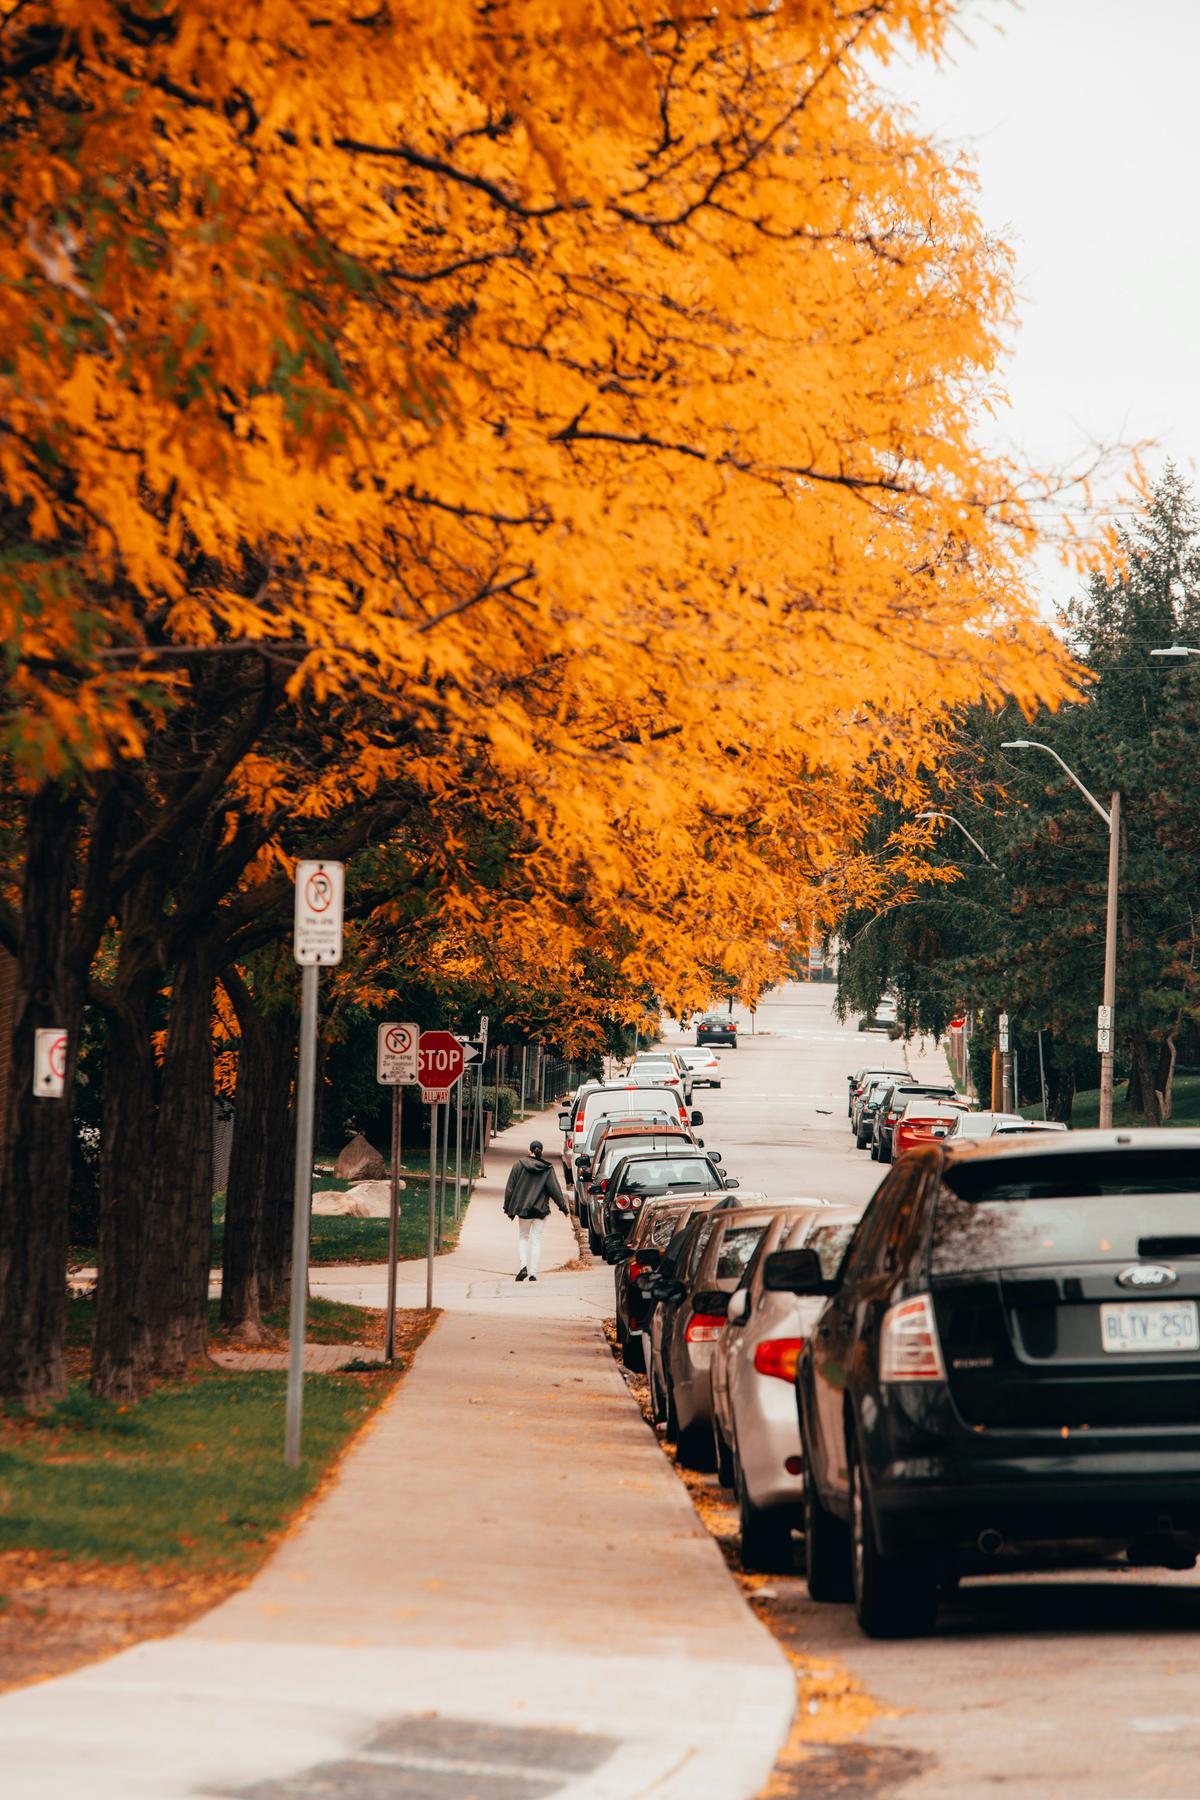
1083 118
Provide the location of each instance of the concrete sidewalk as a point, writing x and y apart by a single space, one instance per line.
506 1594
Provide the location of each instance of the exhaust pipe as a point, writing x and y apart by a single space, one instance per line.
990 1541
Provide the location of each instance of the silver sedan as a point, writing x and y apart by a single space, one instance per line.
755 1423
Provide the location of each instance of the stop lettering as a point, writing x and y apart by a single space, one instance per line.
440 1059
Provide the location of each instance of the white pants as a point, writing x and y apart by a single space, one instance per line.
529 1242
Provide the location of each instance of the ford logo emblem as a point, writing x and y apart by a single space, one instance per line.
1147 1275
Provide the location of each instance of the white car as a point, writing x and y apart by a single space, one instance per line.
755 1423
704 1063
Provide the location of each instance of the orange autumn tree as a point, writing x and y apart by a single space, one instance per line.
593 394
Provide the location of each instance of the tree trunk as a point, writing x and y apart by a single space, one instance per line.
178 1237
35 1155
122 1367
258 1212
1142 1078
1164 1080
1061 1085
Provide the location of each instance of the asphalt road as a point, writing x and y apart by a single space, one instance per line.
1033 1686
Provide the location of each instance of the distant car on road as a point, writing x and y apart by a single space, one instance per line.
705 1066
858 1083
884 1018
642 1175
981 1124
1005 1372
891 1105
923 1120
717 1028
1028 1127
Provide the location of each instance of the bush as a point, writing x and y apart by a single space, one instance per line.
502 1104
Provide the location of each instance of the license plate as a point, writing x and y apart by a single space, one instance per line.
1149 1326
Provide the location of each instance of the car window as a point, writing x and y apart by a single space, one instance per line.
1022 1211
875 1230
738 1245
704 1230
830 1241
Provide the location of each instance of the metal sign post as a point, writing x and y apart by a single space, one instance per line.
317 939
395 1065
429 1248
483 1041
458 1113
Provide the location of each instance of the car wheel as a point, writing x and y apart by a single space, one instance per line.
885 1156
826 1547
874 1149
860 1140
595 1244
892 1598
724 1458
766 1535
693 1444
633 1352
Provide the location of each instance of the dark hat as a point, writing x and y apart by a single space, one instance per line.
535 1149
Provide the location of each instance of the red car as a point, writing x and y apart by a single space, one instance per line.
924 1120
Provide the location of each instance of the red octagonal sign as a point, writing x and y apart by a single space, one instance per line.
440 1059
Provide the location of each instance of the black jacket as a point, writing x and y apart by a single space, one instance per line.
532 1184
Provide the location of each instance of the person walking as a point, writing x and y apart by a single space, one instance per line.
531 1186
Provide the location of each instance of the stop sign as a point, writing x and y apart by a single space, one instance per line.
440 1060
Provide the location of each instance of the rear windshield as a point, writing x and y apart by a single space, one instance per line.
930 1109
632 1099
660 1176
1094 1206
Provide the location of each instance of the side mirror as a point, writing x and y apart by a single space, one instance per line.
650 1257
700 1146
738 1310
715 1156
713 1301
697 1118
564 1121
795 1272
583 1165
731 1182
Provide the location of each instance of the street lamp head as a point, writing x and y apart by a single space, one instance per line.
1173 650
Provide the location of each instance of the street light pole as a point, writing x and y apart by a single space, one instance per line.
1104 1023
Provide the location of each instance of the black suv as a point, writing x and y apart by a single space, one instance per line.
1007 1372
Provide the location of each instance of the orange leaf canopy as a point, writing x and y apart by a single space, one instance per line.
593 393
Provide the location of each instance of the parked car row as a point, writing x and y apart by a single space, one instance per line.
629 1141
994 1366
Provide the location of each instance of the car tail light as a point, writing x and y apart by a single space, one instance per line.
908 1344
703 1328
635 1268
623 1203
579 1125
777 1356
